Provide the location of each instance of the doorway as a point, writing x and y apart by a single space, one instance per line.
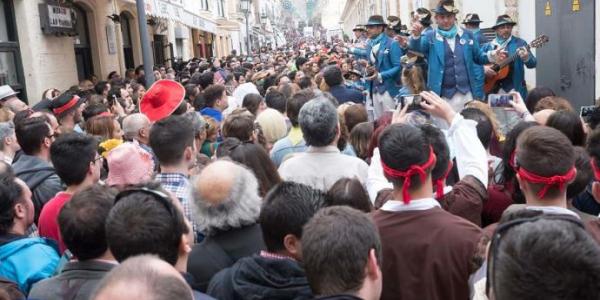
127 45
566 64
82 45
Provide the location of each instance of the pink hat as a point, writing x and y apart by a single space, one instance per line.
129 164
162 99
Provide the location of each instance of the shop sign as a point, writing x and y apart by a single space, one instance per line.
57 19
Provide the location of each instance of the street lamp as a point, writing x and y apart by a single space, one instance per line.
245 7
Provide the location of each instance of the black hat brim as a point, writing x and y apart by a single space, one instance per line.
504 23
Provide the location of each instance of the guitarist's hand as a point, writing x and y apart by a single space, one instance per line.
499 55
523 54
489 72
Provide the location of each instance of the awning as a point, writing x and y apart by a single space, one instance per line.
175 11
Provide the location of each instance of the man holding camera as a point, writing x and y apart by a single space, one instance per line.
383 54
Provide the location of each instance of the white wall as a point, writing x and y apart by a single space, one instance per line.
487 11
48 60
527 31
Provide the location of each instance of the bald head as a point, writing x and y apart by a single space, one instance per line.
143 277
215 182
136 127
226 196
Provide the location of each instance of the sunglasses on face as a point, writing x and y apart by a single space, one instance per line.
159 196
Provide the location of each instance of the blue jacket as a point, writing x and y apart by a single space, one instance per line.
518 75
431 44
28 260
479 73
388 64
344 94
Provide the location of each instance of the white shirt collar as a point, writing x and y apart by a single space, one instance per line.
418 204
554 210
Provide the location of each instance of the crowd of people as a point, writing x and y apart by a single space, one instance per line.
308 172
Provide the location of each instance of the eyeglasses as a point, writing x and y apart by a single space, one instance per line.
159 196
99 157
501 231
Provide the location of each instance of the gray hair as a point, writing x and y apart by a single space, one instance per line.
7 129
198 122
318 119
132 125
240 208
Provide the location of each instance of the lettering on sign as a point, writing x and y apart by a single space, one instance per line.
59 17
548 9
576 6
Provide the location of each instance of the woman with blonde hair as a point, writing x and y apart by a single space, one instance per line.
273 126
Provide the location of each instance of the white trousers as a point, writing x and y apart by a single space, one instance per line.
457 102
382 103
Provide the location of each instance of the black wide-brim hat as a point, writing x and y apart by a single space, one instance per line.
423 16
376 20
445 7
504 20
472 19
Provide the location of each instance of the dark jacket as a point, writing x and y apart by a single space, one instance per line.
344 94
221 250
41 179
260 277
191 281
77 280
339 297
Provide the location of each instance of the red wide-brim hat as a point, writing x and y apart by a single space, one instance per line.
162 99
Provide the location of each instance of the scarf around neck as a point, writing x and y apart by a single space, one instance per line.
448 34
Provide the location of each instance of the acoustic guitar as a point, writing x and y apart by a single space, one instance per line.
503 68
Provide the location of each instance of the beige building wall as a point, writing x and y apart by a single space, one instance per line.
48 61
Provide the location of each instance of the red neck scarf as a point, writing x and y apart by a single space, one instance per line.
408 173
556 180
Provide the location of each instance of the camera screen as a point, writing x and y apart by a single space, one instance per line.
500 100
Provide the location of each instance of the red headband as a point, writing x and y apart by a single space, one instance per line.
595 169
440 182
104 114
407 174
556 180
67 106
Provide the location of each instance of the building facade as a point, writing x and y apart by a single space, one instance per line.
57 43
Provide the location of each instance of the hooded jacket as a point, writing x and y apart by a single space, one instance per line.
26 261
258 277
41 179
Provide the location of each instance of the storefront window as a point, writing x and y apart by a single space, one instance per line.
11 72
3 24
8 69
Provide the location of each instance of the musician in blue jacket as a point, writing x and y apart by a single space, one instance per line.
472 24
383 54
452 55
511 44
